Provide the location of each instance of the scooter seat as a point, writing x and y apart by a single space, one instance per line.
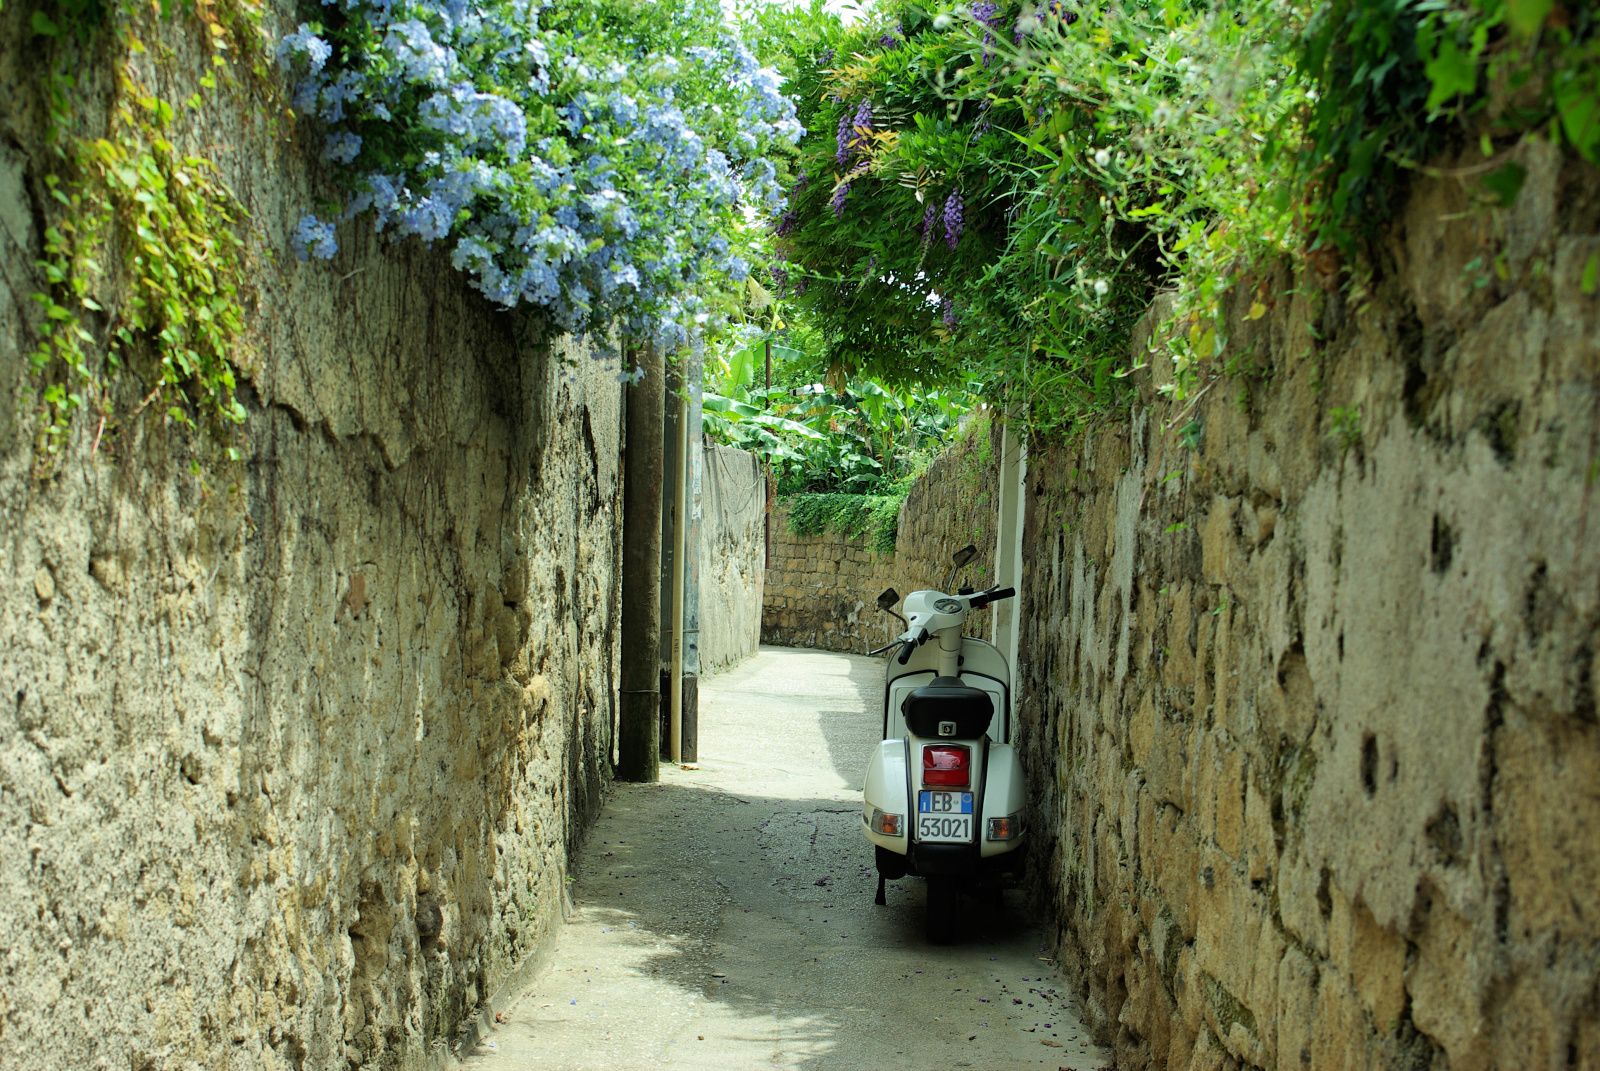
946 707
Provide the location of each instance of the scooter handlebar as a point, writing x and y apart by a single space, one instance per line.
984 598
912 644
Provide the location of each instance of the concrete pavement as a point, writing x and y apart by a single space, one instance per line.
723 918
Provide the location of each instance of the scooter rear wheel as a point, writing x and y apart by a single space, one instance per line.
940 922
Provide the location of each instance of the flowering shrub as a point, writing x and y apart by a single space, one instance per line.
591 159
1076 157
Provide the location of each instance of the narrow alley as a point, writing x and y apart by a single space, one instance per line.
723 918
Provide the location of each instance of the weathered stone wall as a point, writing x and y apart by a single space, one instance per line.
294 751
952 504
821 591
732 556
1310 703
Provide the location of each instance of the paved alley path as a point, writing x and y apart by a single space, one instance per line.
723 918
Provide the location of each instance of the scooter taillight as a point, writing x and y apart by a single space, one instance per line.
946 765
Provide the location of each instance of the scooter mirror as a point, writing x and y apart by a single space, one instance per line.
889 597
964 555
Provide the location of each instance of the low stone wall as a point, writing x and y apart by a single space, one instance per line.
1309 691
822 590
732 557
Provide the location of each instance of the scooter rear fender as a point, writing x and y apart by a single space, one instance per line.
886 791
1003 796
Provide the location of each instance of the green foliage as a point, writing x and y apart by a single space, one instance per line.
1098 153
142 255
849 515
1345 425
860 437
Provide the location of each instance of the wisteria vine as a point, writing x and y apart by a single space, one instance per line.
590 160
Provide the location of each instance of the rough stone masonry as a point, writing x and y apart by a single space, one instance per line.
1309 667
293 751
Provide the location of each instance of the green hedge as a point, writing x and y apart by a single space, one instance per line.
875 516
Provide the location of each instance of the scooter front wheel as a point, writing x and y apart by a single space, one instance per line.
941 918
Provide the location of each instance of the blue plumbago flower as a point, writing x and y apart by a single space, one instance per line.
424 59
580 173
341 147
314 238
840 192
305 45
954 218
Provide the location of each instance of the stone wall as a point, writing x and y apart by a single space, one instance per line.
1309 680
294 750
822 590
732 556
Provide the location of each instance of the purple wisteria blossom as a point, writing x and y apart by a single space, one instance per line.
786 225
949 316
853 132
954 218
1061 10
988 13
863 120
891 37
930 220
840 192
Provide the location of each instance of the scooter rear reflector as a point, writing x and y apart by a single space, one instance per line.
946 765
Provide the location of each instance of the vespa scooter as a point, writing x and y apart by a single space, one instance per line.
944 794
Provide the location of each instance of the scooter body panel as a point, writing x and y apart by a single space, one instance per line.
1003 797
886 791
982 666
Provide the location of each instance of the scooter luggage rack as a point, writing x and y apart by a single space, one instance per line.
945 707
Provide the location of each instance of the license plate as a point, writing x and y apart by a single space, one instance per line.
944 816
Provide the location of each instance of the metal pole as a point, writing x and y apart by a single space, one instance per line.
680 487
766 473
693 468
638 737
670 443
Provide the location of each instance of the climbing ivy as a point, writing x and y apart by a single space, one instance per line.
143 263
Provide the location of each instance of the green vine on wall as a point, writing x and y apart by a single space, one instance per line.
142 259
851 516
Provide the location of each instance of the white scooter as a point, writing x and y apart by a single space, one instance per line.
944 793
